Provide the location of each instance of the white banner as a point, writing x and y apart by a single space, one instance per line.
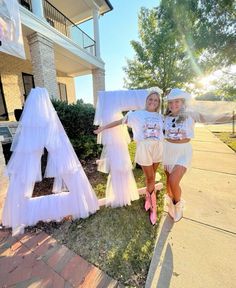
11 40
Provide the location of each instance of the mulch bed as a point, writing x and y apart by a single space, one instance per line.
45 186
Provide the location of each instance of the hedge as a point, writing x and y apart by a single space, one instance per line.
77 120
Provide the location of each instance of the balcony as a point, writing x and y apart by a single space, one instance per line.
64 25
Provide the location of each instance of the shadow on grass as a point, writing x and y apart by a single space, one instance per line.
119 241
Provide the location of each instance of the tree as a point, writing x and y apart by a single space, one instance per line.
226 87
180 40
207 28
160 58
216 32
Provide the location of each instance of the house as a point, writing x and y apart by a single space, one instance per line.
57 50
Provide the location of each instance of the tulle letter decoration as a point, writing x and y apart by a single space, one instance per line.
40 128
121 186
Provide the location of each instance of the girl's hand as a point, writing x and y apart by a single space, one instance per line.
99 130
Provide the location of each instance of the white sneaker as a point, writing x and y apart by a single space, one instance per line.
171 207
178 210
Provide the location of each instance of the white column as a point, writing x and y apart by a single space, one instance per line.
43 63
98 83
37 7
96 31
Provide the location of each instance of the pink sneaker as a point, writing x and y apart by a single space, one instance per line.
153 210
147 205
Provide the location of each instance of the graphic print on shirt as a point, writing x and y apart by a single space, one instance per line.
151 128
177 132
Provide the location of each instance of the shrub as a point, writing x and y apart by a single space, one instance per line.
77 120
209 97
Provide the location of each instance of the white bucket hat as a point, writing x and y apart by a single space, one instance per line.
177 93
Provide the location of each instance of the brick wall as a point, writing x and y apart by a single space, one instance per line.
11 69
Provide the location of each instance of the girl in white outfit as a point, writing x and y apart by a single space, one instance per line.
177 152
147 127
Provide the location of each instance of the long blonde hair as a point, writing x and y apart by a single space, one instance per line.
181 117
159 97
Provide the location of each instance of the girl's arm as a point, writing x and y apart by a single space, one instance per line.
110 125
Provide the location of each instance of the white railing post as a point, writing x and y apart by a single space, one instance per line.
37 7
96 31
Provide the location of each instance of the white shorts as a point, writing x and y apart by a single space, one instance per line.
176 154
148 152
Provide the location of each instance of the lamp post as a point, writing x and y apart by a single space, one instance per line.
233 125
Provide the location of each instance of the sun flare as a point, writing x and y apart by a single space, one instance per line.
205 81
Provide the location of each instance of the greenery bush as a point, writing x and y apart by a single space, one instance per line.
209 97
77 120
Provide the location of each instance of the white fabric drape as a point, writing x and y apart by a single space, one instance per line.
10 29
40 127
211 112
121 186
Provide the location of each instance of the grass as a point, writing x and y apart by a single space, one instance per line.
227 138
119 241
100 187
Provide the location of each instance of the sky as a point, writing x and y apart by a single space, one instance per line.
117 28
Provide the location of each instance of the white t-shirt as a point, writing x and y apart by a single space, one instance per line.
178 131
145 125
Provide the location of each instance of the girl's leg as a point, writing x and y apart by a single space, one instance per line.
170 197
155 166
150 203
149 177
169 192
174 180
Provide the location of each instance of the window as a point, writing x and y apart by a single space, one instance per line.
3 108
62 92
28 81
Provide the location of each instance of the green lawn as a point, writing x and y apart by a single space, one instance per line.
119 241
227 138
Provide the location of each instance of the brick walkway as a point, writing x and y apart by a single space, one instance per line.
38 260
